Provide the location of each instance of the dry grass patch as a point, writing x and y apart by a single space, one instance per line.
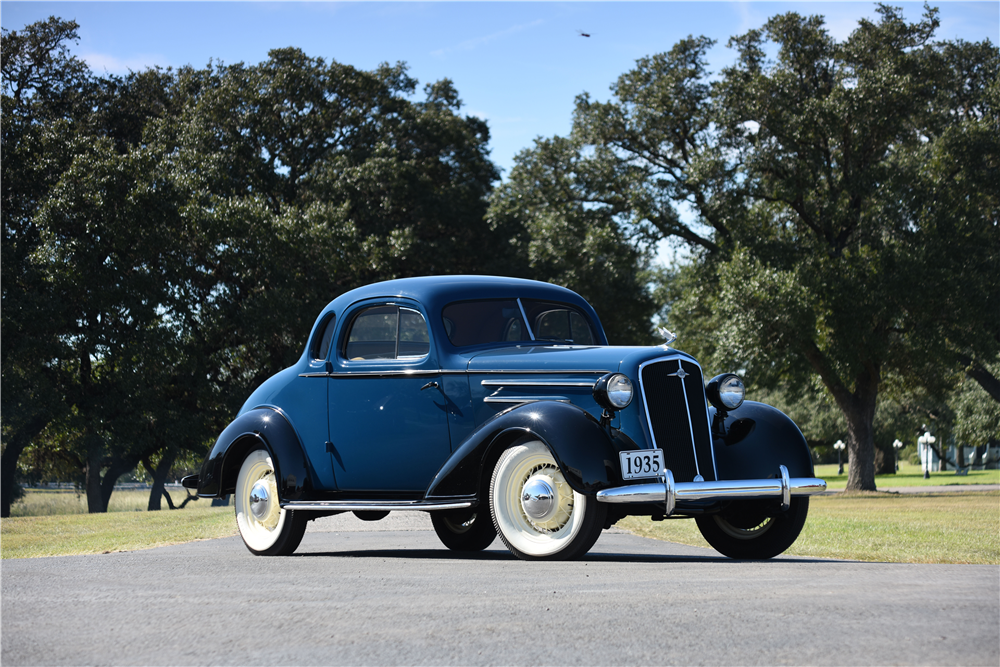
70 534
46 502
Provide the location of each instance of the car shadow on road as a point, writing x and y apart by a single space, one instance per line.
679 558
497 555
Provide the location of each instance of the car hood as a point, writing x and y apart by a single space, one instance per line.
557 358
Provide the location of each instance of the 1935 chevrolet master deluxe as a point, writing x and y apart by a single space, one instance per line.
498 406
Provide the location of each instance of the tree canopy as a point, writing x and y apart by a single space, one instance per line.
840 199
169 235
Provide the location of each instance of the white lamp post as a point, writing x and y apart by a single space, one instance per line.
839 446
924 442
897 445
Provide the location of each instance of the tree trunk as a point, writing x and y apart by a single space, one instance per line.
159 475
8 461
859 411
861 445
117 468
95 455
8 464
982 375
885 461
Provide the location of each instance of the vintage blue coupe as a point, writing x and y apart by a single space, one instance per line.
498 406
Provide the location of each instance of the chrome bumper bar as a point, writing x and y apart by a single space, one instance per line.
666 491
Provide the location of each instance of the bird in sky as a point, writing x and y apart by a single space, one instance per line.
582 33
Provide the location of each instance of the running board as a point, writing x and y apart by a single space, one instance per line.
375 505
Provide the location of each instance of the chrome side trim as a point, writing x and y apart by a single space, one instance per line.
377 505
667 491
545 371
369 374
524 399
535 383
441 371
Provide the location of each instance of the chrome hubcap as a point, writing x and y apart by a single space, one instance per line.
259 500
538 498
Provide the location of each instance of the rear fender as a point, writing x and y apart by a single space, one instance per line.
267 427
584 451
758 439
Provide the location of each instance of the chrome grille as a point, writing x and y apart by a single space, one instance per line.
673 391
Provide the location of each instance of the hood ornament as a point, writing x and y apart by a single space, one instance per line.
668 336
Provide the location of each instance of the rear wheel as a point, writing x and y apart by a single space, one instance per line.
465 530
536 512
747 531
266 529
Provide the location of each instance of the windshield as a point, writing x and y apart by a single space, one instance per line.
470 323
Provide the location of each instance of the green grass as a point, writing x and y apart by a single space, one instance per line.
909 475
46 502
920 528
69 534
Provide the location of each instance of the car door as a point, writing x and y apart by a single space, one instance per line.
388 413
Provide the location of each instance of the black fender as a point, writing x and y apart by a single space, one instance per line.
585 452
758 439
260 426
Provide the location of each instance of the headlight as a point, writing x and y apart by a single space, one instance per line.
726 392
613 391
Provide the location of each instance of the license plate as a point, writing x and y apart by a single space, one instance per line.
642 463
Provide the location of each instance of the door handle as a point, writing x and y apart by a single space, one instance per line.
430 385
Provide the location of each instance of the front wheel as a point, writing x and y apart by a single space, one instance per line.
536 512
266 529
747 531
465 530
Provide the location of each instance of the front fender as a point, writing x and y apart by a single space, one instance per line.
758 439
584 451
261 426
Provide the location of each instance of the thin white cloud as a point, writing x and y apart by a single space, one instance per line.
470 44
750 18
101 63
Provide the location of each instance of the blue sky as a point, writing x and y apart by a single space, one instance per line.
517 64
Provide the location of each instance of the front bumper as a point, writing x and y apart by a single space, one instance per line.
668 492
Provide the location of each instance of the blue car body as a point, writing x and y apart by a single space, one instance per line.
421 420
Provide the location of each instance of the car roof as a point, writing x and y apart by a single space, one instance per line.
435 292
438 291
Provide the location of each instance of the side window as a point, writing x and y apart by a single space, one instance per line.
321 346
373 334
387 332
413 339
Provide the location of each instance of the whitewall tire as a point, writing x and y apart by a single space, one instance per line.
266 529
536 512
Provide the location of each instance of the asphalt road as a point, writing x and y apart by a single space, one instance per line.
388 593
